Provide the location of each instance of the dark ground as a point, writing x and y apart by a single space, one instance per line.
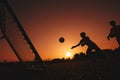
101 69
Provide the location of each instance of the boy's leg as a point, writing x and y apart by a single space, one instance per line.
99 52
89 50
97 49
118 40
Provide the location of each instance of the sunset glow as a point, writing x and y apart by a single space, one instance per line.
46 21
68 54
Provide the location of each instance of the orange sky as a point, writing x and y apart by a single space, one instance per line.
46 20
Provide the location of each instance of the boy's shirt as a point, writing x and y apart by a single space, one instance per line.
86 41
115 31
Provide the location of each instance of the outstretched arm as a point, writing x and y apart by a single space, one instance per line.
111 34
108 37
76 45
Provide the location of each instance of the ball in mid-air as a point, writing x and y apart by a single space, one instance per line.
61 39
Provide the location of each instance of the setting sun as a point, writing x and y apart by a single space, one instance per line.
68 54
51 20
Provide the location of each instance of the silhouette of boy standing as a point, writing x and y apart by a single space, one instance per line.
86 41
114 32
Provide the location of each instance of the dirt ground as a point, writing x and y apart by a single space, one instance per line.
102 69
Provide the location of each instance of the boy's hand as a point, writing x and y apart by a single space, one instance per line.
72 47
108 37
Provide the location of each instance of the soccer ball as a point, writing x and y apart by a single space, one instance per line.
61 39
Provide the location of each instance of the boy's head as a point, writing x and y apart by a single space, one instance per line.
113 23
82 34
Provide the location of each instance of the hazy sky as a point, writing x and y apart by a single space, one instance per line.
46 20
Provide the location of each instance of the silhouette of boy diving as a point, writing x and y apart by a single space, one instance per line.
114 32
86 41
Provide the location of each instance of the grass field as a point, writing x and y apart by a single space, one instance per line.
101 69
